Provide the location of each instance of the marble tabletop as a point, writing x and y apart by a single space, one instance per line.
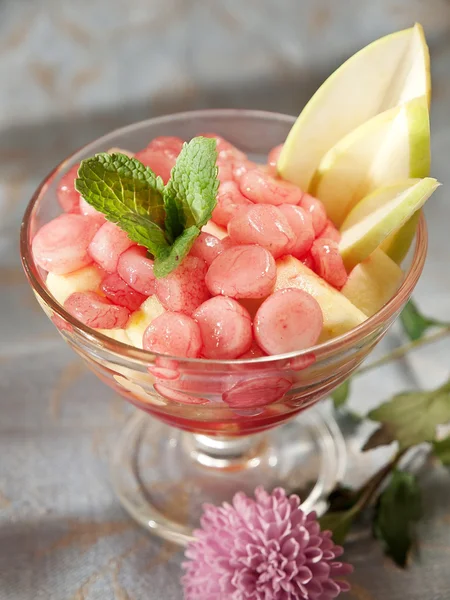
72 71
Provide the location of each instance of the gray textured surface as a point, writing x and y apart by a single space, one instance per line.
71 71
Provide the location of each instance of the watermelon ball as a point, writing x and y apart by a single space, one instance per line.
225 326
288 320
242 272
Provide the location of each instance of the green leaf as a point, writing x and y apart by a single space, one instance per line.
341 393
441 449
166 220
414 323
338 523
342 510
382 436
127 193
172 257
398 508
190 194
145 233
117 185
411 418
175 215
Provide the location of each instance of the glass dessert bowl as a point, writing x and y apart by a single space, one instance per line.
208 428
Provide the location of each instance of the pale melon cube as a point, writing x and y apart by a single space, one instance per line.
213 229
114 150
120 335
373 282
141 319
339 314
87 279
138 391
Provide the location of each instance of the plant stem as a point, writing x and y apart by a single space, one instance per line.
371 486
403 350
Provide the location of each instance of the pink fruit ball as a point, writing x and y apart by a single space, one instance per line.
207 247
302 226
136 269
330 233
260 391
67 195
118 292
230 202
168 144
272 159
242 272
61 246
184 289
258 186
317 211
165 368
160 162
174 334
264 225
225 150
227 243
328 262
288 320
108 244
95 311
240 167
86 209
224 170
254 352
225 327
299 363
308 261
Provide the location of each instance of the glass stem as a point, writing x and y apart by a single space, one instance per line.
220 447
224 452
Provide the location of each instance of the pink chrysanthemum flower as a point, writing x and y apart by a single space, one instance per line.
263 549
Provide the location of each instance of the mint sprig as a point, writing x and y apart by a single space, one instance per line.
172 256
116 185
127 193
193 182
164 219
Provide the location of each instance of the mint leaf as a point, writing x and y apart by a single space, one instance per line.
414 323
441 449
175 215
190 194
117 185
145 233
398 508
166 220
411 418
169 260
341 393
127 193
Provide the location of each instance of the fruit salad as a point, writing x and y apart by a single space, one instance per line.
189 248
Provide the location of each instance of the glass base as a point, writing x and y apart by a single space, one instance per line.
163 475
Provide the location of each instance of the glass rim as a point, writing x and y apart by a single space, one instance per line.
137 354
